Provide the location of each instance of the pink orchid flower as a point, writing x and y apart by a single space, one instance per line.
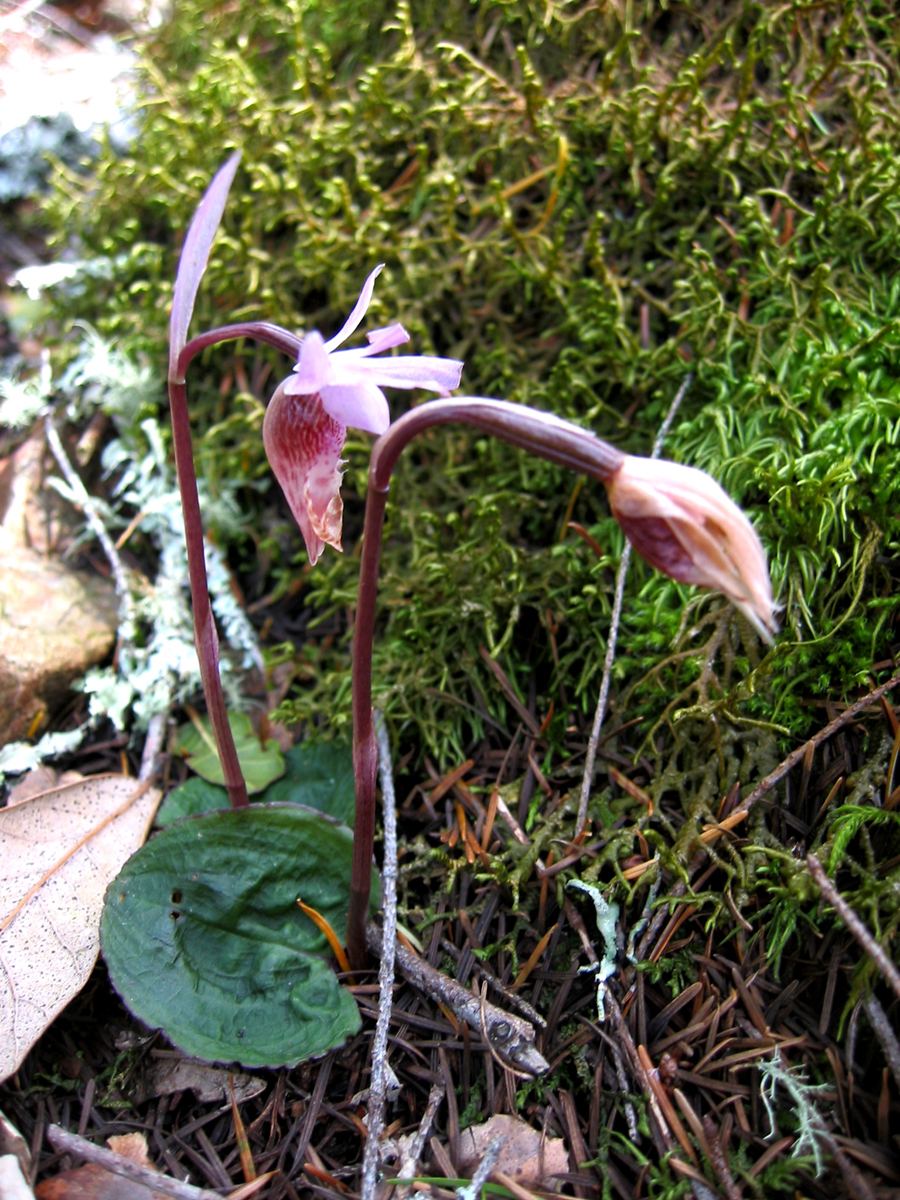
305 426
680 521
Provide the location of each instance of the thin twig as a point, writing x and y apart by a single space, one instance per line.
472 1190
156 732
409 1163
71 1143
764 786
885 1034
796 756
511 1038
17 16
89 507
877 953
378 1083
608 661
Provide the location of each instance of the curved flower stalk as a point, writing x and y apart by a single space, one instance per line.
677 517
306 422
303 432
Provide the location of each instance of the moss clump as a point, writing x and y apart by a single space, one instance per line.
582 205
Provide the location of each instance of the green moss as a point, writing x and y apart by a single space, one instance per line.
581 204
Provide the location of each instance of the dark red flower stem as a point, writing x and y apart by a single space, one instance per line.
541 434
205 636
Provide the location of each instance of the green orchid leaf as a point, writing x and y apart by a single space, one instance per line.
259 764
317 774
196 795
320 775
204 939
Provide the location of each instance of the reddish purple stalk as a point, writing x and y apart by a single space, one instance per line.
205 637
541 434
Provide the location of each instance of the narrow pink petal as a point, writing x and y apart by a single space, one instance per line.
362 405
303 445
314 369
384 339
405 371
359 310
194 257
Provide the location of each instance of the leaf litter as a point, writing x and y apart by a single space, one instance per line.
58 853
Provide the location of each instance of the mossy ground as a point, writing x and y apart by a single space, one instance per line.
585 204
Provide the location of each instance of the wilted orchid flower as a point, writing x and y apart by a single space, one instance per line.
305 426
680 521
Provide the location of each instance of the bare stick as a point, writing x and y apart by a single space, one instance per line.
89 508
764 786
410 1161
877 953
71 1143
608 661
509 1037
378 1082
153 743
472 1190
885 1034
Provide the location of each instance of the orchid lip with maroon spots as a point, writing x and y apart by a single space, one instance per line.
306 422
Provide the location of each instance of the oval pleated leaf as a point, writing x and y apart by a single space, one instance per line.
317 774
260 763
204 939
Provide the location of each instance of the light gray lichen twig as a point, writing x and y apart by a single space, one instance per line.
378 1083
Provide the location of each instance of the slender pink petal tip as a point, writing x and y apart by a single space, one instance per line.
194 257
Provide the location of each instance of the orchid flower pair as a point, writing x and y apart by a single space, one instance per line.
677 517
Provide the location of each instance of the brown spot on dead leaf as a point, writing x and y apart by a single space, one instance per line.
522 1157
58 854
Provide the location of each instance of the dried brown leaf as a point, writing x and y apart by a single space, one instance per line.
58 853
522 1156
209 1084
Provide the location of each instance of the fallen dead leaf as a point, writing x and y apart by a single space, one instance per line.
12 1142
92 1182
40 780
132 1146
522 1157
58 853
169 1075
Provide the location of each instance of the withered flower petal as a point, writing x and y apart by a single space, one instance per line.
682 522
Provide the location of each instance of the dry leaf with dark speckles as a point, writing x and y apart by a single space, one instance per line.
58 853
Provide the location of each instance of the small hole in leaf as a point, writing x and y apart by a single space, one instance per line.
240 1033
174 914
176 896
